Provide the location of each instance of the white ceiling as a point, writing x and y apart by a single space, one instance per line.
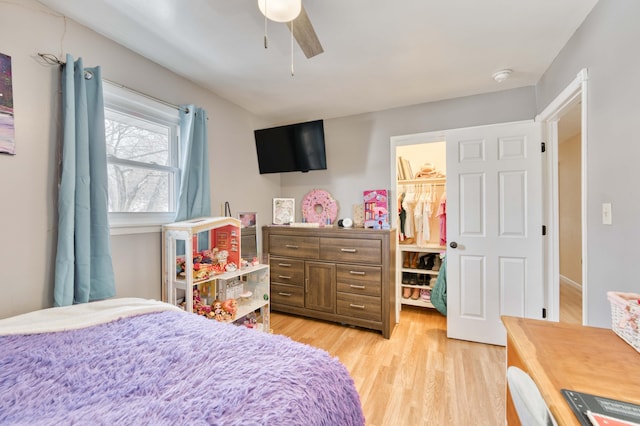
377 54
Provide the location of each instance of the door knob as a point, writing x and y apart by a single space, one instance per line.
453 244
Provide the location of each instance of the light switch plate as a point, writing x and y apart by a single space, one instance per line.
606 213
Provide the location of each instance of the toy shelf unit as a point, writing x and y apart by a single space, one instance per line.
418 269
204 273
246 291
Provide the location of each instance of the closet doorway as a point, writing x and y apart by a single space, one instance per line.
419 187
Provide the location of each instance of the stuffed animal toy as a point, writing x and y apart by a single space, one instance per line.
217 312
230 306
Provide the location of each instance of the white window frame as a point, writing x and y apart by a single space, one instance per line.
123 100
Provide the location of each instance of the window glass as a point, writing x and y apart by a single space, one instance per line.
142 158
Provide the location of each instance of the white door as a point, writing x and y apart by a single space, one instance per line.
494 229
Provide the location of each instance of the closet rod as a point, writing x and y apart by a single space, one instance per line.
436 180
406 185
53 60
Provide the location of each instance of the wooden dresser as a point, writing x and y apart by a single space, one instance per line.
334 274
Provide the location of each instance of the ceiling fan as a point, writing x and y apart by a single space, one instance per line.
294 14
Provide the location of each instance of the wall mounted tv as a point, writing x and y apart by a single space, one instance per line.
291 148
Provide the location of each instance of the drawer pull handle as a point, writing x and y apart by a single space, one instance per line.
349 250
357 272
292 246
284 277
284 294
356 306
357 286
285 265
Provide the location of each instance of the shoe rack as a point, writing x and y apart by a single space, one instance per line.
419 270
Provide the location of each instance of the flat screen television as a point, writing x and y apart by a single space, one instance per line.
291 148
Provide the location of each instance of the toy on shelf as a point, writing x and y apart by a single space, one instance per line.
376 209
230 306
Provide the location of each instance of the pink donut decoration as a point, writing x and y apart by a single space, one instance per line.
318 206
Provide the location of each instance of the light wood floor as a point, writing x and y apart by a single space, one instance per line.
418 377
570 303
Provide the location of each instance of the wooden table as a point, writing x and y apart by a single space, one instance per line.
567 356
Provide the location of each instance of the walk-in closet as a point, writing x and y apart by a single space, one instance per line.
421 224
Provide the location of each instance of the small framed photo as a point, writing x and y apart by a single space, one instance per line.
247 219
284 211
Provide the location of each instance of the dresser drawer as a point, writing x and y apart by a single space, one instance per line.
362 307
294 246
287 271
359 279
291 295
351 250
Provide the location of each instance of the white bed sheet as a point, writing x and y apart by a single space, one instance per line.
80 316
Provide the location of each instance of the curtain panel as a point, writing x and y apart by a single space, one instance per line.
84 269
195 194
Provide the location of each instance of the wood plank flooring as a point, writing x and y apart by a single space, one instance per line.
418 377
570 303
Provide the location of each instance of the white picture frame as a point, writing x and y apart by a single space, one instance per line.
248 219
284 211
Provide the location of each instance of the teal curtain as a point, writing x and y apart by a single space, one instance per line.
195 196
84 270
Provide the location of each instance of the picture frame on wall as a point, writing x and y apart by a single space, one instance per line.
248 219
249 236
7 132
284 211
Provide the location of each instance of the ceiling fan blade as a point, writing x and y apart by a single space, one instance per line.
305 35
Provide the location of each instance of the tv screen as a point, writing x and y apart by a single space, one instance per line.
292 148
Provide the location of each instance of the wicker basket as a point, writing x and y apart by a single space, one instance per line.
625 316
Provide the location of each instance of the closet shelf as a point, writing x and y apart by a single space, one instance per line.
442 180
429 248
420 271
417 302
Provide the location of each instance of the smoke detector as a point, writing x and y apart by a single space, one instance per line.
502 75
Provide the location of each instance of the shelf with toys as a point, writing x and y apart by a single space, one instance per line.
204 272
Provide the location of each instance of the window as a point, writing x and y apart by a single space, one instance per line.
142 158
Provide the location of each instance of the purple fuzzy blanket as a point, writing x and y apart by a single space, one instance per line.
171 368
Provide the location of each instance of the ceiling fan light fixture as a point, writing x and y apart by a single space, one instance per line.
502 75
280 10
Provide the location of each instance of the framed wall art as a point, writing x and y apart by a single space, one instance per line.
7 133
248 219
284 211
249 237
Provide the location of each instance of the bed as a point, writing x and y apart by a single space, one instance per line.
137 361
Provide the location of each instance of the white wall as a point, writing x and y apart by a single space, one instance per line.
358 147
28 180
606 44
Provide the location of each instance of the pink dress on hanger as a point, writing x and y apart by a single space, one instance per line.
442 214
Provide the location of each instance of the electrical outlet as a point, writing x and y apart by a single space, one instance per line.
606 213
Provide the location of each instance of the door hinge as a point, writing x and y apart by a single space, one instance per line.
544 229
544 312
543 146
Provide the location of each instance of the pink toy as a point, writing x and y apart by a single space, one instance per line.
318 206
376 209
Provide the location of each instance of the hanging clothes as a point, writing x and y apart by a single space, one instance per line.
439 292
427 212
402 215
409 204
442 214
418 219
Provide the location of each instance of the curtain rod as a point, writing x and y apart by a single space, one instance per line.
52 59
144 95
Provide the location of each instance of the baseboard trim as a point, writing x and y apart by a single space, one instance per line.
571 282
